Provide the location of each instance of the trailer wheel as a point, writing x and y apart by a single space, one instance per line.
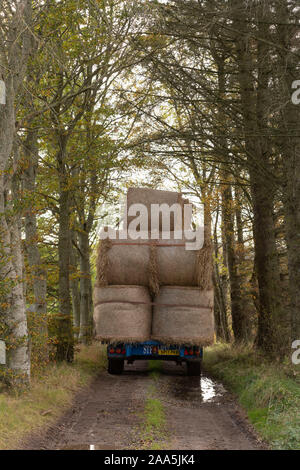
115 366
193 368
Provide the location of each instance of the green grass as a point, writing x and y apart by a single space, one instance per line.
154 368
153 426
155 416
50 394
269 392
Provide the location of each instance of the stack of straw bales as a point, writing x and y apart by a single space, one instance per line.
153 288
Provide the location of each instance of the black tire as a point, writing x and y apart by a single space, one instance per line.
115 366
193 368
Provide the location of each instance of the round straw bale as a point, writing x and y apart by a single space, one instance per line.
117 319
183 315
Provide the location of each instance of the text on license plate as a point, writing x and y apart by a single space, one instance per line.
168 352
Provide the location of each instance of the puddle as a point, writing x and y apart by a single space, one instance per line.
198 390
210 390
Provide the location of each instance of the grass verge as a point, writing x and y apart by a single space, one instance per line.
153 426
50 394
269 392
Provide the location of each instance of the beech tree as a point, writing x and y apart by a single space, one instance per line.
15 46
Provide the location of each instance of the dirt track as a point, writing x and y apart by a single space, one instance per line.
108 415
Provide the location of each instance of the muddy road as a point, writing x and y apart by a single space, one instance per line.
114 412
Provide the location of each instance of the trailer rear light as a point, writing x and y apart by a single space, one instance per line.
189 352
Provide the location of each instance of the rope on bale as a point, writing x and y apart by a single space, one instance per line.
153 271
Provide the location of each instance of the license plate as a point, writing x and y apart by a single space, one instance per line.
168 352
147 350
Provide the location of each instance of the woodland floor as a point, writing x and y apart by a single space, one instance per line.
144 409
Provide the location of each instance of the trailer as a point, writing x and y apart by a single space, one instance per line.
153 350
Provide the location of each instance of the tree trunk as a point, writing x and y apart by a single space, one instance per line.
65 346
248 304
85 279
221 319
262 191
290 150
19 357
13 312
14 50
239 220
38 272
239 320
75 293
